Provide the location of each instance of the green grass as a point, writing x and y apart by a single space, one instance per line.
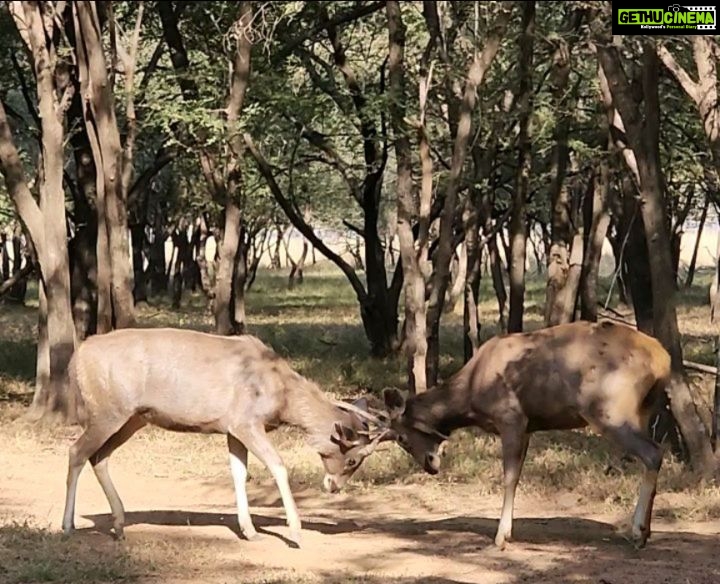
31 554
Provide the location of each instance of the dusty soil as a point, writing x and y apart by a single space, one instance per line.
182 528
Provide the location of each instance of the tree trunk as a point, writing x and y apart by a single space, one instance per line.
45 224
4 257
716 401
296 276
643 138
201 257
696 248
137 233
224 321
83 287
475 77
599 220
19 290
415 337
179 272
557 299
518 222
275 260
157 261
102 129
239 284
635 259
496 270
471 316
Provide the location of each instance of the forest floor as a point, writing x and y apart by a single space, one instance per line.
392 524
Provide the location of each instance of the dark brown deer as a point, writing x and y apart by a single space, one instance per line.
569 376
189 381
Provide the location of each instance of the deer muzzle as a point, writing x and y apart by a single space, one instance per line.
330 485
432 463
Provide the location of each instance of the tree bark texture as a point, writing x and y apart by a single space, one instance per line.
475 77
45 224
415 341
518 221
642 130
596 226
102 129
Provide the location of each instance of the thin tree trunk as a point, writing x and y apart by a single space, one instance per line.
296 276
518 222
471 317
239 284
83 266
137 233
696 248
224 321
496 270
458 281
475 77
4 257
415 339
19 290
599 222
562 232
157 260
201 258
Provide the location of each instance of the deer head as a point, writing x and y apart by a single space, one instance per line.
355 442
417 438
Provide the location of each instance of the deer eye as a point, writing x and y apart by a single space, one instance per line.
351 462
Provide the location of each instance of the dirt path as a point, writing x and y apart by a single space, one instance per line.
182 529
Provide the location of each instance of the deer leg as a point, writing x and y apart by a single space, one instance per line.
257 442
638 444
514 449
238 468
89 442
651 455
99 461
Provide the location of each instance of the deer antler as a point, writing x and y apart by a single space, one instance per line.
362 413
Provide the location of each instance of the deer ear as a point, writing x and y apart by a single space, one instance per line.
394 402
361 403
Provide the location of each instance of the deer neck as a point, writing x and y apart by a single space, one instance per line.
307 408
443 408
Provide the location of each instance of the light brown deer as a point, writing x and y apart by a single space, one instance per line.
189 381
559 378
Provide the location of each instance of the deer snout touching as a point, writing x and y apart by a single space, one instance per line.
332 484
432 463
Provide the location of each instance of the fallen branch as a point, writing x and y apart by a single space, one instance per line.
16 278
709 369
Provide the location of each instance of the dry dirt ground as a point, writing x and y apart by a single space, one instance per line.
181 527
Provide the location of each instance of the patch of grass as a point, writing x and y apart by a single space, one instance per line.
29 554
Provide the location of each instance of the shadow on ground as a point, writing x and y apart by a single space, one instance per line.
546 550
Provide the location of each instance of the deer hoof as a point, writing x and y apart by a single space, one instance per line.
639 538
295 538
500 541
254 536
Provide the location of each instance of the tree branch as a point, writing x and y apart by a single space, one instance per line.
298 221
683 78
19 276
339 19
